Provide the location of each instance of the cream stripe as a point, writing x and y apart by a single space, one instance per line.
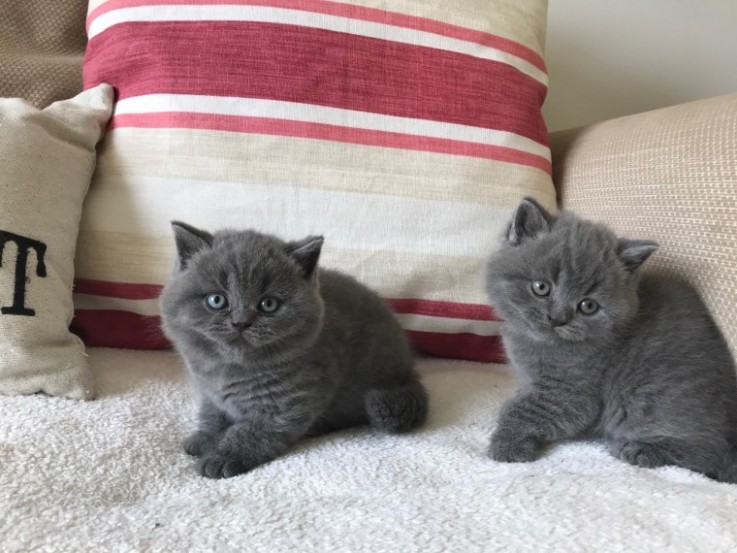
243 157
140 307
292 111
267 14
411 322
137 258
347 219
523 21
448 326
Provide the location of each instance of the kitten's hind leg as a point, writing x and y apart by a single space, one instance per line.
641 454
713 460
728 472
396 410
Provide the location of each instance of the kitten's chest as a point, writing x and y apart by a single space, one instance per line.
536 362
241 393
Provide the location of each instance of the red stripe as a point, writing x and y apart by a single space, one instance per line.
488 349
123 290
322 131
353 12
300 64
434 308
120 329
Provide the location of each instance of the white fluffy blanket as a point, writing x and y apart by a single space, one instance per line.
110 476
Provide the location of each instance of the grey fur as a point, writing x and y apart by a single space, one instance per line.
649 373
332 356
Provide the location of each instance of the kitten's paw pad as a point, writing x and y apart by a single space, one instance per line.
511 450
220 466
640 454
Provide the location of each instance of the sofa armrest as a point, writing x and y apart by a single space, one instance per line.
668 175
42 46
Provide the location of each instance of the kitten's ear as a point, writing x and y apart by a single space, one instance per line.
189 241
306 253
528 221
633 253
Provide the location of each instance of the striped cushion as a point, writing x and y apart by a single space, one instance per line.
405 137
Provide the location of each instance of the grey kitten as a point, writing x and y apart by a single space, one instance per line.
278 349
604 353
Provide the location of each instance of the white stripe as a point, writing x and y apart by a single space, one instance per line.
421 323
265 14
144 205
308 113
445 325
96 303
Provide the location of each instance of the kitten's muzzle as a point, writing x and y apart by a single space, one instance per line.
240 326
555 323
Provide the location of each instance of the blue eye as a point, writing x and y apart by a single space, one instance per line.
540 288
216 302
587 306
268 304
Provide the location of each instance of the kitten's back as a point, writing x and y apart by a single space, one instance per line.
676 355
357 320
672 311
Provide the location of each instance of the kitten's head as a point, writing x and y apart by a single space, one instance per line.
564 278
251 294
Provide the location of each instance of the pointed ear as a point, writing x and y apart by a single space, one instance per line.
528 221
633 253
189 241
306 252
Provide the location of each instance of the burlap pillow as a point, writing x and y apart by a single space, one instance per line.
46 162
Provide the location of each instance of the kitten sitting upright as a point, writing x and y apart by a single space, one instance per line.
278 349
603 353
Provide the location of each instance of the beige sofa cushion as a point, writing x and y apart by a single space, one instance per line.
669 175
41 49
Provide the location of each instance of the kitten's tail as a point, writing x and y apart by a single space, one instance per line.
399 409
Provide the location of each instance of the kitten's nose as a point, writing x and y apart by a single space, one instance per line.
556 322
240 326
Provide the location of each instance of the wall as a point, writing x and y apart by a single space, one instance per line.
608 58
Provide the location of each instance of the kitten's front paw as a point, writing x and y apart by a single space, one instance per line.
513 450
197 444
640 454
221 466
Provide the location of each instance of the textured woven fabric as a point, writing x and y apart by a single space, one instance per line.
47 158
41 49
668 175
405 137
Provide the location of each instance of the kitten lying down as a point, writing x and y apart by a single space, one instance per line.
278 349
602 353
